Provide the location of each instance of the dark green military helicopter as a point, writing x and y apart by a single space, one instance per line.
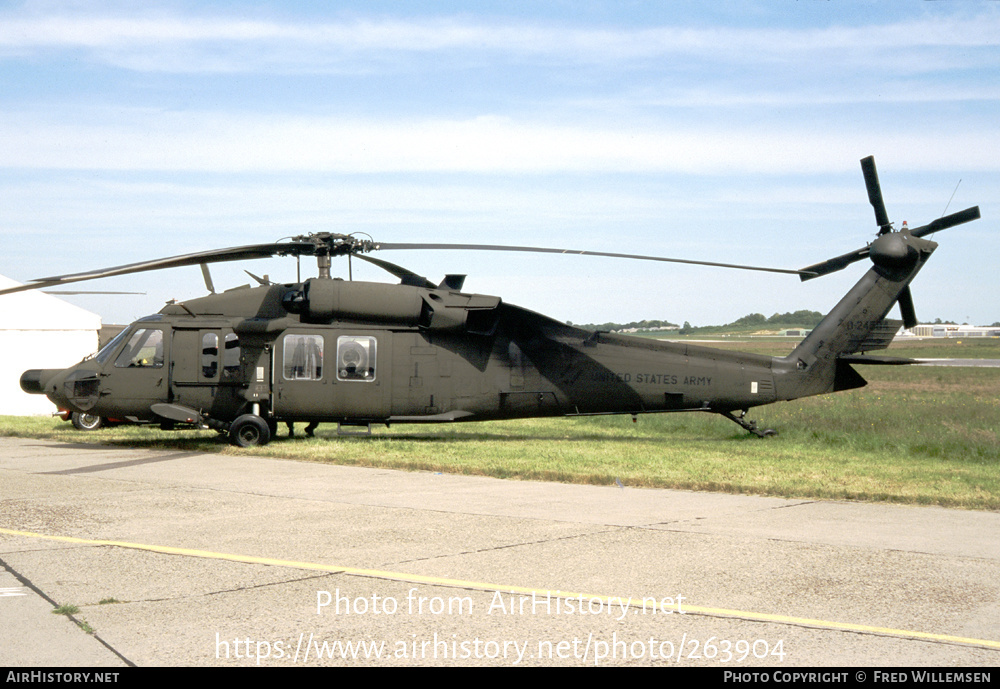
362 353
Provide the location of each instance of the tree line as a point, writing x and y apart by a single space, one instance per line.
802 319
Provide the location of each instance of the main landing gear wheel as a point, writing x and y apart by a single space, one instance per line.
86 422
249 430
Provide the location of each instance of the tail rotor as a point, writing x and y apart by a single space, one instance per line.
893 251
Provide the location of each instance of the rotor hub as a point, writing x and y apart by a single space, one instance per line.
898 252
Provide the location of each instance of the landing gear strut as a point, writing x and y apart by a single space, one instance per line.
749 425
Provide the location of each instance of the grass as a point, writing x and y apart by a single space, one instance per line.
914 435
70 610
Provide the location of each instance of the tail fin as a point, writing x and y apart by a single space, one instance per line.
857 323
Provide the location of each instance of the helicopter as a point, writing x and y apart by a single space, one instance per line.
362 353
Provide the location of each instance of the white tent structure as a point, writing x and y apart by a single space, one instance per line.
39 331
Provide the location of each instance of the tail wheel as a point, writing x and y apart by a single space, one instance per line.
86 422
249 430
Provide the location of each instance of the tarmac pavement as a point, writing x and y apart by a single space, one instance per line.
188 559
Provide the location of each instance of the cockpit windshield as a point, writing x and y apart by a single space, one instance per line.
107 350
105 353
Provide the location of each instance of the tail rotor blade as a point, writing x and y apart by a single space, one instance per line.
832 265
875 193
905 302
968 215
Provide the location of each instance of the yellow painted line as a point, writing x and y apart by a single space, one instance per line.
482 586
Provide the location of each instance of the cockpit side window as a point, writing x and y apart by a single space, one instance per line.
144 350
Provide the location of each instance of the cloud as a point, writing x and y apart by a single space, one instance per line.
224 142
218 43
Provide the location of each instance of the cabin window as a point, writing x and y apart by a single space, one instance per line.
303 357
356 358
144 350
231 356
209 355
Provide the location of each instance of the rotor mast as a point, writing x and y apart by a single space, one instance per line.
327 245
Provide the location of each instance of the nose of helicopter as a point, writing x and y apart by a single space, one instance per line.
35 380
72 388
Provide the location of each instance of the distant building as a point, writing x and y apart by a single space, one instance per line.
653 329
39 331
950 330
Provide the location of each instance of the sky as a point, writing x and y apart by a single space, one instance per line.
724 131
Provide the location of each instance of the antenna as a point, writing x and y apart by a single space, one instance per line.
208 278
952 197
949 202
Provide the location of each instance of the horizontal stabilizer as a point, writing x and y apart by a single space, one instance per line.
877 360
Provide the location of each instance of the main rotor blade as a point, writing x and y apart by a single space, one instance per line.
78 292
236 253
404 274
875 193
968 215
832 265
575 252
